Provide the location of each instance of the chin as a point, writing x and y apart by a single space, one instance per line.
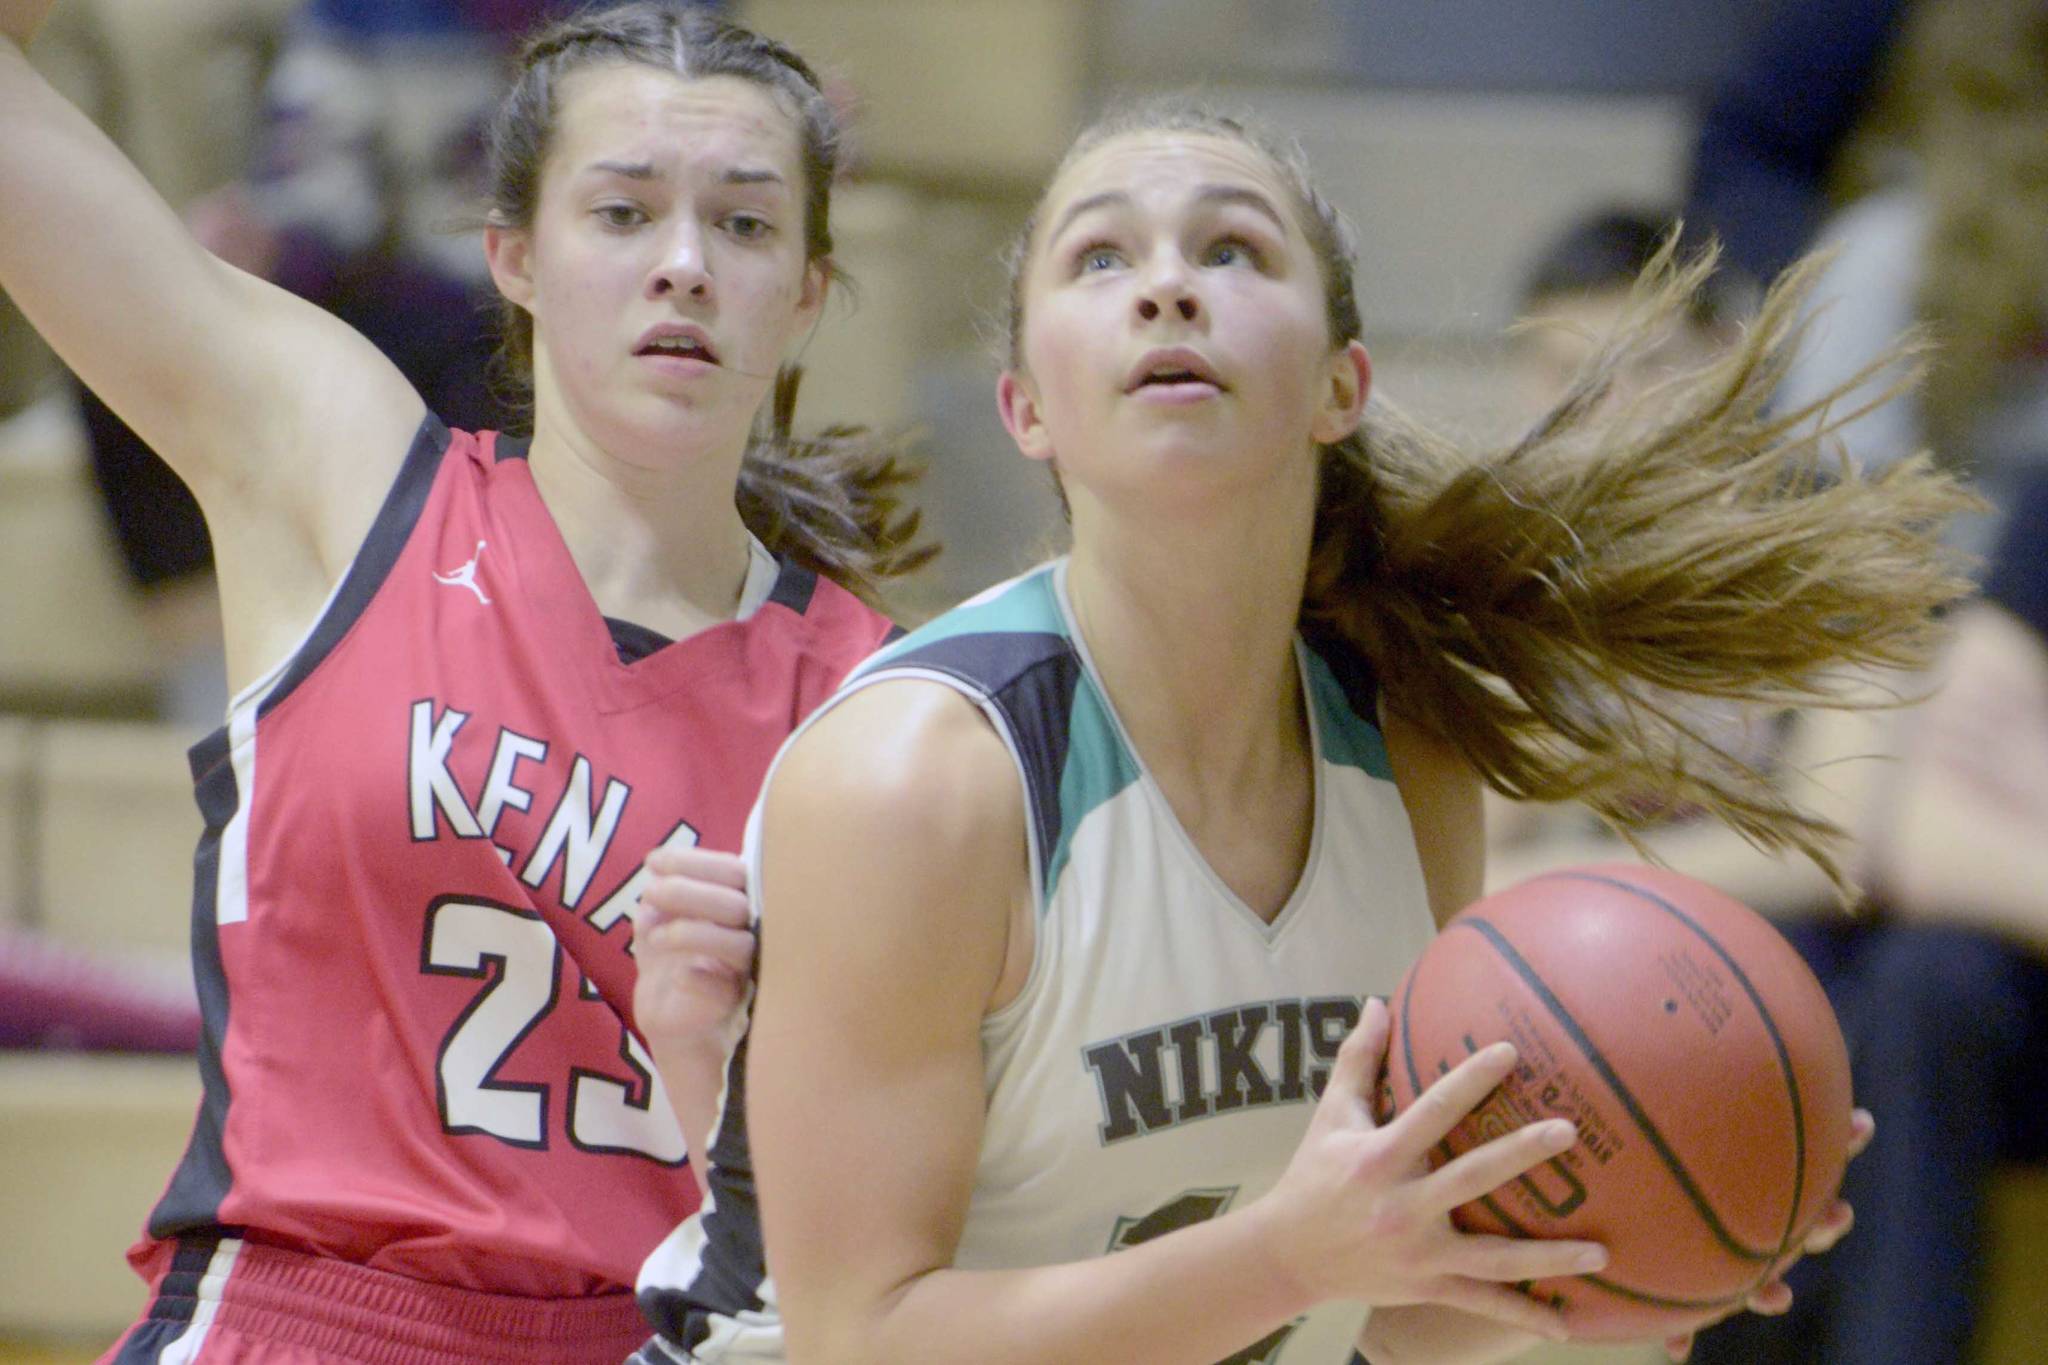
662 431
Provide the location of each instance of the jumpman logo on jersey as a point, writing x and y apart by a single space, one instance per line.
464 575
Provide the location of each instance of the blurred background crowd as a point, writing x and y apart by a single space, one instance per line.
1499 161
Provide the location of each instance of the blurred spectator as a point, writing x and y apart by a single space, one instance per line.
1576 295
1945 993
1776 122
1578 292
1965 826
1957 241
1947 1024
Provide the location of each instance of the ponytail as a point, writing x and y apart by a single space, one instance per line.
831 501
1553 609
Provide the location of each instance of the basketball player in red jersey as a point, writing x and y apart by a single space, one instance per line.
476 680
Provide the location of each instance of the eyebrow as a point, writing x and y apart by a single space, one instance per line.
628 170
645 170
1207 194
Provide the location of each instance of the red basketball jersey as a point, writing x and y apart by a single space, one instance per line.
423 831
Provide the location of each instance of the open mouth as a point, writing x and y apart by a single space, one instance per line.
680 347
1178 370
1168 377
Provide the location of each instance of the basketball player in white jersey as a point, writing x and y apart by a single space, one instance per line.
1069 900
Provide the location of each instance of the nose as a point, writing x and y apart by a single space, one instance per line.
1167 290
682 268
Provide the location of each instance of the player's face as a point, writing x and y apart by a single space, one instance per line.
665 267
1175 338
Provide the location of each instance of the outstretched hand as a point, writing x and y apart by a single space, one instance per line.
693 944
1359 1214
1773 1297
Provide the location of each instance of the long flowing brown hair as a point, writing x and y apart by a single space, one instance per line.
834 500
1548 607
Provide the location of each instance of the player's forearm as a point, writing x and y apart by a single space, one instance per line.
1415 1333
693 1073
1201 1293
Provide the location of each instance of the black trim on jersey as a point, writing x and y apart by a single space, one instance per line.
510 447
201 1183
1031 678
380 550
634 641
1352 670
174 1305
794 587
177 1296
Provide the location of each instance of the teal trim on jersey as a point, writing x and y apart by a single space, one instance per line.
1347 737
1098 767
1023 605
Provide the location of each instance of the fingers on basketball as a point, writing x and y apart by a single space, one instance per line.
1444 1105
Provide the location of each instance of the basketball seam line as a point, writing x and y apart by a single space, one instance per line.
1770 1024
1508 1221
1621 1092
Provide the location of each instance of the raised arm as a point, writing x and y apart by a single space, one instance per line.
261 402
892 878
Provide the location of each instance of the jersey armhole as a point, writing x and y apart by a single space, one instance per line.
751 850
366 571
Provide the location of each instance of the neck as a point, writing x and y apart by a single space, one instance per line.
1191 624
658 544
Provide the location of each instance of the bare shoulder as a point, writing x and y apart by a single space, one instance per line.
919 751
1443 797
903 804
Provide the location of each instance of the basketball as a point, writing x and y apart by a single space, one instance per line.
1693 1049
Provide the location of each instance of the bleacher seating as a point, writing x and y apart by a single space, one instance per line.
115 828
71 638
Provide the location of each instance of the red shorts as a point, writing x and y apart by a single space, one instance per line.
225 1301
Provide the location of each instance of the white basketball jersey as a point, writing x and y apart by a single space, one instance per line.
1163 1059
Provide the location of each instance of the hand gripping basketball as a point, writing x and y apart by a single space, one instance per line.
1358 1214
1697 1056
1836 1223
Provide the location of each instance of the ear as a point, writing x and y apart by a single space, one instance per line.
1343 400
1021 416
510 254
817 286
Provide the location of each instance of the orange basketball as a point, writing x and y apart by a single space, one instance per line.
1694 1051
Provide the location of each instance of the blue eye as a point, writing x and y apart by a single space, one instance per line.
1230 251
1097 258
